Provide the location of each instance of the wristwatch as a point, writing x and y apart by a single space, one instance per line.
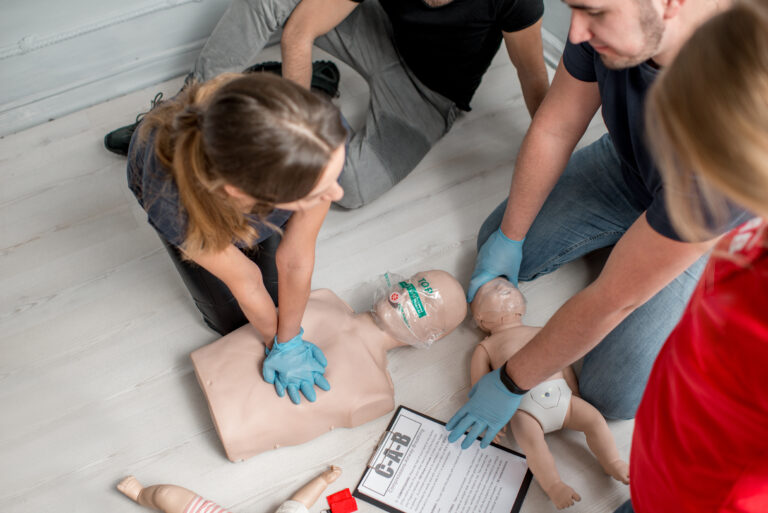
510 384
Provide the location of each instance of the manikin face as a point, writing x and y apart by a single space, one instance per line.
422 308
498 304
624 32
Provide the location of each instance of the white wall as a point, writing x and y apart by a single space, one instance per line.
557 19
60 56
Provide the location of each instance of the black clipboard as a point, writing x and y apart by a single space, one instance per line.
521 493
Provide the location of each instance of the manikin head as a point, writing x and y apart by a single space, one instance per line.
624 32
498 305
421 309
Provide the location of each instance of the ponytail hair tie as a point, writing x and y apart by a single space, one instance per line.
190 117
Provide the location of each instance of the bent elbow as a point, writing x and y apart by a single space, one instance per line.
297 33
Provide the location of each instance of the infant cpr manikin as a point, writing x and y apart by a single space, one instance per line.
498 308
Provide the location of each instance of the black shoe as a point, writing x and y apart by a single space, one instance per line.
325 75
275 67
118 141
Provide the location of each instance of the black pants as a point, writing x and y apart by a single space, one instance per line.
212 297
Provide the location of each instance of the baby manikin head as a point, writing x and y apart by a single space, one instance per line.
498 304
420 309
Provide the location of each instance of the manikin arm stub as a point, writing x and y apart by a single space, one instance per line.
310 492
176 499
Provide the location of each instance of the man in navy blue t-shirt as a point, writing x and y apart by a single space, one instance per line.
563 205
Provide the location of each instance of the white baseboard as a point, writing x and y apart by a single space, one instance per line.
92 54
57 102
46 77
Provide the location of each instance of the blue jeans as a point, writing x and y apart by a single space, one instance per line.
590 208
625 508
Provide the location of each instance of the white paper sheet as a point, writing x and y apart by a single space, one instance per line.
416 470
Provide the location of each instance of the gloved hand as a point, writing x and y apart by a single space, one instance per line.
498 256
295 365
489 408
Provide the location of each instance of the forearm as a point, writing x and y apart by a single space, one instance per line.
296 50
560 121
526 51
293 286
534 83
577 327
541 161
244 280
259 309
309 20
641 264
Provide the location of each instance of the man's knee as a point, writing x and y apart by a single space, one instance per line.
610 402
351 200
374 167
491 224
273 13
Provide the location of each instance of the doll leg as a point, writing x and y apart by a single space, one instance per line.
530 436
569 375
166 498
585 417
310 492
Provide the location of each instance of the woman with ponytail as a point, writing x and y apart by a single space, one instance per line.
701 433
236 176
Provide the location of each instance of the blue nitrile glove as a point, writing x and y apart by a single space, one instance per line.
489 408
498 256
295 365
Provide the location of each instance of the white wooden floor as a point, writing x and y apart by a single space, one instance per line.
96 326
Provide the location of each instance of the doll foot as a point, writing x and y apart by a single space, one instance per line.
331 474
619 470
130 487
562 495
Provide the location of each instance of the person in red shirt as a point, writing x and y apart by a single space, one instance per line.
701 433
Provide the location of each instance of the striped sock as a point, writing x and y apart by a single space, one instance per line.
200 505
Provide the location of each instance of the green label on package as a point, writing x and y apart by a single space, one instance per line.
420 311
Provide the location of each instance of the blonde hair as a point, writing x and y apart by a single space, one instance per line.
258 132
707 121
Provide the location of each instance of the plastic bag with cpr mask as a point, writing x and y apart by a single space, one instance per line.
410 310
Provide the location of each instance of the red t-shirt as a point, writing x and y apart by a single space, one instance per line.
701 432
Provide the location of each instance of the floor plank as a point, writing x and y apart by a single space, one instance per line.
97 326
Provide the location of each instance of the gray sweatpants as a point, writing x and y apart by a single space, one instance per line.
405 118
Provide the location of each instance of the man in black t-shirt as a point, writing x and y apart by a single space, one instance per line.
562 206
423 61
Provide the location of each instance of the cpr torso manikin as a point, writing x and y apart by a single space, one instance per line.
249 416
